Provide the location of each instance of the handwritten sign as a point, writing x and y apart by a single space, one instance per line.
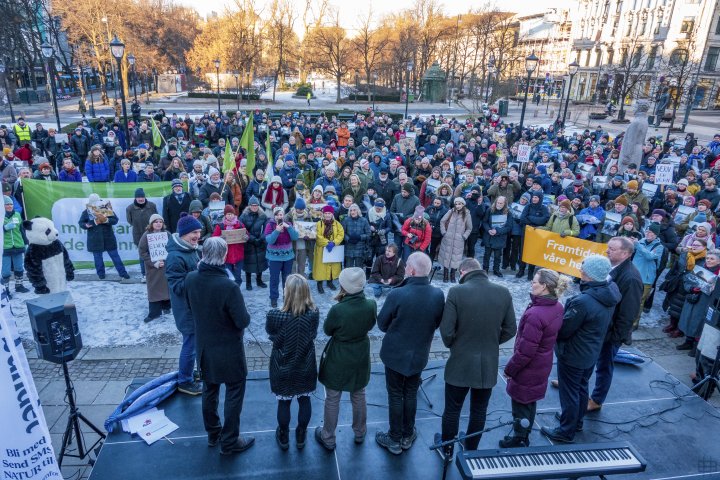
156 246
233 237
664 174
523 154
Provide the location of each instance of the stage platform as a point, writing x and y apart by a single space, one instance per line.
674 430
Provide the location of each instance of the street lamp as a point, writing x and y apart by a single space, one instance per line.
491 71
572 69
217 74
530 65
374 77
7 91
247 82
117 48
131 61
410 66
236 74
147 85
92 100
357 83
49 54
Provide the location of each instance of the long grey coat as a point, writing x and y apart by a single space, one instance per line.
157 285
454 236
477 318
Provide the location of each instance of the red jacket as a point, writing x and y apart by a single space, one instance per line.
424 235
236 251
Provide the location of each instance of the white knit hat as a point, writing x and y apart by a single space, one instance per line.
352 280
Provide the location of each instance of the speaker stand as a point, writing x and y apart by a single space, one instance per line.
706 386
73 426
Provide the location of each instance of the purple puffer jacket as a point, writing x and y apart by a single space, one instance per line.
531 363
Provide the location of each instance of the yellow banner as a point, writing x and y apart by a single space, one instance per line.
550 250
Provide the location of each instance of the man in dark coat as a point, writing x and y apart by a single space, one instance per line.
586 320
477 318
182 258
138 215
174 205
218 307
97 219
627 278
411 314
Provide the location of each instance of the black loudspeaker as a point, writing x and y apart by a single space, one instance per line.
55 327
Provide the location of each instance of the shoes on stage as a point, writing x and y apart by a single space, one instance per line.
383 439
318 437
593 406
407 442
555 435
283 438
240 446
359 439
555 383
300 436
514 442
578 427
190 388
213 439
446 452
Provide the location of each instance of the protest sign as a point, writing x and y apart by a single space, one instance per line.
523 154
306 230
236 236
156 246
336 256
549 250
664 174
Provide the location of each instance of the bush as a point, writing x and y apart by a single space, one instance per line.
303 89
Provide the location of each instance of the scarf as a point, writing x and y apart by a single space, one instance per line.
328 231
274 195
692 258
231 225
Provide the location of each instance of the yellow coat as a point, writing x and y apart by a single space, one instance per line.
326 271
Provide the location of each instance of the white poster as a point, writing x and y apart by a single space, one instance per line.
664 174
25 443
523 153
156 246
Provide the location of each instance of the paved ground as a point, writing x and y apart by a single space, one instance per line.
101 375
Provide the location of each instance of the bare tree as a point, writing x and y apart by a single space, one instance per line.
633 69
312 18
330 51
281 35
369 44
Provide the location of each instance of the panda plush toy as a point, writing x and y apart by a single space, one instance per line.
47 262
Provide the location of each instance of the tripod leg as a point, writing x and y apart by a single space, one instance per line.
91 425
66 440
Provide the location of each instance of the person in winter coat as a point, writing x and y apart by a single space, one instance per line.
345 362
387 272
478 316
404 203
330 233
126 174
174 205
497 225
13 247
416 232
455 227
279 236
236 251
257 185
254 219
710 335
69 172
593 216
694 257
196 210
528 369
585 322
563 222
503 186
214 184
293 371
357 237
157 285
274 196
304 246
648 254
138 216
695 308
435 213
97 219
535 215
97 168
380 226
512 253
218 307
628 229
477 205
410 315
634 195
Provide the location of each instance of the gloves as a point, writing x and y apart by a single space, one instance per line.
330 246
9 226
563 235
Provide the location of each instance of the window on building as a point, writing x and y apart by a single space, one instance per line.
598 57
712 59
687 25
623 56
611 54
628 30
637 56
587 57
717 27
652 56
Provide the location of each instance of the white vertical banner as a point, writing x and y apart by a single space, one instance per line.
25 446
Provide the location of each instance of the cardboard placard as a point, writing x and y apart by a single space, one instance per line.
156 246
61 138
649 189
233 237
682 213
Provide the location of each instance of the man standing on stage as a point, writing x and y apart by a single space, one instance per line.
477 318
628 280
220 317
411 314
586 320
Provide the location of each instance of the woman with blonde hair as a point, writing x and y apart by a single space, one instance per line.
528 369
293 372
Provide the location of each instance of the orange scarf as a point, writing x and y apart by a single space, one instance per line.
692 258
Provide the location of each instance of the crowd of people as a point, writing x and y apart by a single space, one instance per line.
325 199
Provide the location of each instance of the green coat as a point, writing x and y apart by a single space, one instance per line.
345 365
559 225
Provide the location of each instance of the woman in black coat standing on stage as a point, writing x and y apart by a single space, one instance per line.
293 372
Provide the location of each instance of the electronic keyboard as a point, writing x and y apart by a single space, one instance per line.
553 461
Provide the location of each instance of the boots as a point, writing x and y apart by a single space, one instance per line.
514 442
248 281
331 285
300 436
260 283
282 435
520 273
19 287
688 345
446 275
320 288
452 275
6 288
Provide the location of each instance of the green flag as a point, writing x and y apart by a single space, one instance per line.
248 143
228 159
156 135
268 150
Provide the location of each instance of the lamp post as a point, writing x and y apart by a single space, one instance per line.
92 100
530 65
49 54
410 66
155 79
374 77
147 86
7 91
236 74
562 97
357 83
217 74
491 72
117 48
572 69
131 61
247 82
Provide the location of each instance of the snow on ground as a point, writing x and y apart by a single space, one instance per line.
111 314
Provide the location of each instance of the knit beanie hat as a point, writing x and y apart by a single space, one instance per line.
352 280
627 219
621 200
139 193
155 216
565 203
253 201
228 209
187 224
419 211
408 187
596 267
632 184
176 183
655 228
196 206
7 200
300 203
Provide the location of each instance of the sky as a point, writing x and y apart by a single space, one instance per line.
352 11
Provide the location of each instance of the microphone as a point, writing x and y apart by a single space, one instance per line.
524 423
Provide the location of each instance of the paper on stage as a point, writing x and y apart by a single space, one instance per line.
155 431
336 256
135 423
